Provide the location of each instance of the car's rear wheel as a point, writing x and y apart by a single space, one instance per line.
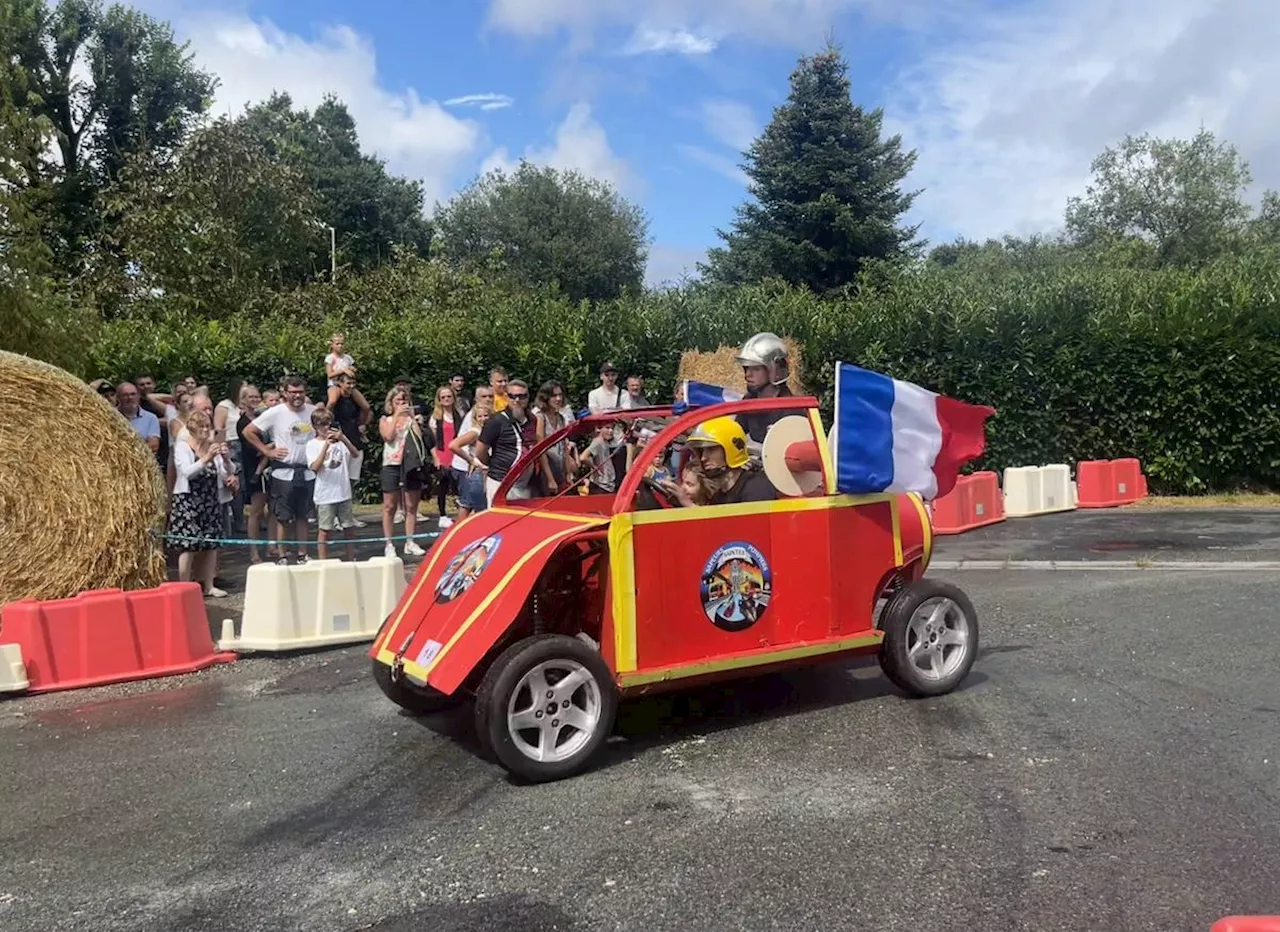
546 706
409 697
930 638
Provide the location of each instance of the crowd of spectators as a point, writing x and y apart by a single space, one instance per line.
279 457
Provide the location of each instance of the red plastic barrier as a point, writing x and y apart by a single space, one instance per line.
974 502
109 636
1247 924
1109 483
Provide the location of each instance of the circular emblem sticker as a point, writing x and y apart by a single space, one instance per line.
465 568
736 586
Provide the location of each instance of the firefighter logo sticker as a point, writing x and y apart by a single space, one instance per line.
464 569
736 586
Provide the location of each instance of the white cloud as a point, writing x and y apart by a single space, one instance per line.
716 162
417 137
1007 119
488 101
581 145
649 40
786 22
668 264
731 123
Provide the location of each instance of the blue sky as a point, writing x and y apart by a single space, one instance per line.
1007 101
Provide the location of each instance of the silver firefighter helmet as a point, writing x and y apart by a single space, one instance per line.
768 350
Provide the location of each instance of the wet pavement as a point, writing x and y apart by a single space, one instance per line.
1111 763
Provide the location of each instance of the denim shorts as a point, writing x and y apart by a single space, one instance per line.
471 490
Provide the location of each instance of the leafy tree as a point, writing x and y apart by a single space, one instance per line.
110 83
1184 198
36 319
1266 226
372 212
545 226
215 229
827 189
1008 254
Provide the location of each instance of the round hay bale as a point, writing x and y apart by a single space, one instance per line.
80 492
721 367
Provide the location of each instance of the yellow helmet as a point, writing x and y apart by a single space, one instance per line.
725 433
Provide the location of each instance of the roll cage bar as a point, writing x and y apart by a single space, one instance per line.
686 419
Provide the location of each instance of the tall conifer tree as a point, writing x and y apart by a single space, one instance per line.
827 190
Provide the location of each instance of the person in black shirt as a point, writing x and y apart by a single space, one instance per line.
458 382
720 448
502 441
765 367
352 414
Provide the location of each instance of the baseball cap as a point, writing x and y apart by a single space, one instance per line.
608 367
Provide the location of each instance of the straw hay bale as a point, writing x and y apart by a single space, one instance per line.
721 367
80 492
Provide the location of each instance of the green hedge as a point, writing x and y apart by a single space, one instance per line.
1180 369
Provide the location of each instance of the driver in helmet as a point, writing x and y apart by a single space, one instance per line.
719 447
765 367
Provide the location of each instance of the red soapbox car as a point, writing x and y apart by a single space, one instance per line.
547 611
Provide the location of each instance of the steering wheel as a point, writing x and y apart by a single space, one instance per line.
651 491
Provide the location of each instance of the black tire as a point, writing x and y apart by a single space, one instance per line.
895 659
413 699
497 691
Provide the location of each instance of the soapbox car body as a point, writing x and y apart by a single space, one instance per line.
547 611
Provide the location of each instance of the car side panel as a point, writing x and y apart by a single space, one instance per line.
469 591
866 543
714 582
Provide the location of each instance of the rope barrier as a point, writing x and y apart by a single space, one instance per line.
263 542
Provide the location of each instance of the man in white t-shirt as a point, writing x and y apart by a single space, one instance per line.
329 455
608 397
292 484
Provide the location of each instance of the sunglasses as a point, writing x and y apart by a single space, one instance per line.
513 396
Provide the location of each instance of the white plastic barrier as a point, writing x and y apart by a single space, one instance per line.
1037 490
13 672
315 604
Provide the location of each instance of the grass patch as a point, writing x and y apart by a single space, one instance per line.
1231 500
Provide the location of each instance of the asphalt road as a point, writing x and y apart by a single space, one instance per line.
1172 534
1113 763
1104 535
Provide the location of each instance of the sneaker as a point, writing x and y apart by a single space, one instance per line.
399 516
282 561
215 593
446 522
356 522
411 549
390 550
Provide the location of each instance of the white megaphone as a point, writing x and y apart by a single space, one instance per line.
791 458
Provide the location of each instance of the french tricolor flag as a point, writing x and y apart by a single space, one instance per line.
893 436
702 394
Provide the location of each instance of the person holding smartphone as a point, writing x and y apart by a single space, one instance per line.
329 455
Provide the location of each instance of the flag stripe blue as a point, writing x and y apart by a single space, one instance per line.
701 394
864 430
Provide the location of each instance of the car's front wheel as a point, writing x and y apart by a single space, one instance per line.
930 638
546 706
